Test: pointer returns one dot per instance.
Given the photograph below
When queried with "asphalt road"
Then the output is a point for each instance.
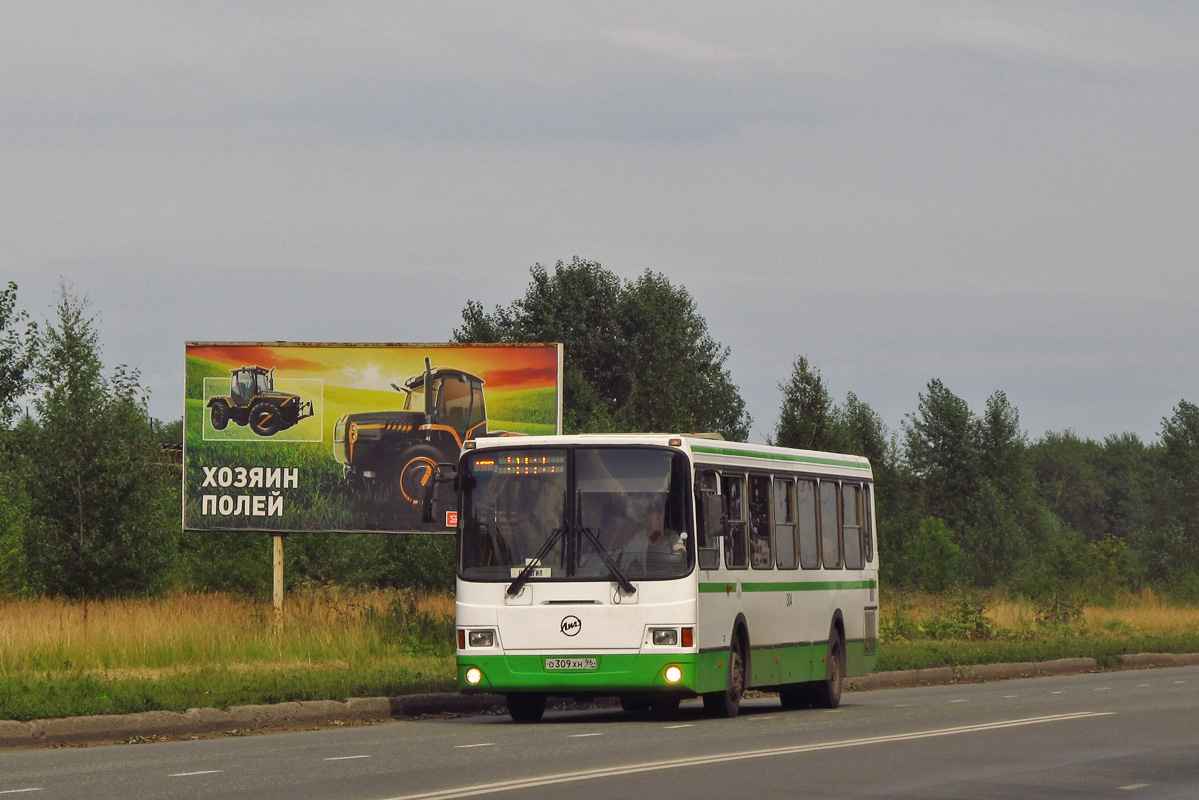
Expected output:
(1132, 734)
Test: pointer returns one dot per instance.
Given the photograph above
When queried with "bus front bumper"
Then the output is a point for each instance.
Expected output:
(613, 673)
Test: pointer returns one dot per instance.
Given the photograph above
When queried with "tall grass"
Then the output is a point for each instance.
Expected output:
(929, 630)
(183, 650)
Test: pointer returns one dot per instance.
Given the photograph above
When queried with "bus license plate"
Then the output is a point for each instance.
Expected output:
(571, 663)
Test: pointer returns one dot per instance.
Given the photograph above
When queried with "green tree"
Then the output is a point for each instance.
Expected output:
(941, 448)
(934, 556)
(638, 355)
(1070, 481)
(808, 418)
(104, 506)
(16, 353)
(1178, 483)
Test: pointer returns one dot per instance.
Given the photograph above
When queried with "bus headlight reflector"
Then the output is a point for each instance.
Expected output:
(673, 674)
(482, 638)
(474, 675)
(667, 637)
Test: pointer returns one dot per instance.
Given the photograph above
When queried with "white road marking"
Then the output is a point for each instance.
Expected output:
(678, 763)
(20, 791)
(1180, 681)
(480, 744)
(345, 758)
(903, 705)
(672, 727)
(1142, 686)
(959, 701)
(582, 735)
(201, 772)
(1132, 786)
(1102, 689)
(1010, 696)
(1057, 692)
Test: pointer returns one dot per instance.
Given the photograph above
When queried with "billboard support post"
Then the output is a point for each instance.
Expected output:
(278, 593)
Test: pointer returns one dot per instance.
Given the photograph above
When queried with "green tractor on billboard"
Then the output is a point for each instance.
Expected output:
(253, 401)
(395, 453)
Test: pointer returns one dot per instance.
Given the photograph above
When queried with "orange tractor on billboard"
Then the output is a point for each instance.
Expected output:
(395, 453)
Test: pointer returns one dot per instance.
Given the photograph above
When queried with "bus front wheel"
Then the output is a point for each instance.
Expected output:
(526, 707)
(726, 704)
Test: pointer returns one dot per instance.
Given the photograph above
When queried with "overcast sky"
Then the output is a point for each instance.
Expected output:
(999, 195)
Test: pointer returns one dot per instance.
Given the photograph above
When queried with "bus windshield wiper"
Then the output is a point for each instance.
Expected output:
(526, 573)
(608, 561)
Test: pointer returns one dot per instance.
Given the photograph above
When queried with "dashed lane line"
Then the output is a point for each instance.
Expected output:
(21, 791)
(199, 772)
(654, 766)
(345, 758)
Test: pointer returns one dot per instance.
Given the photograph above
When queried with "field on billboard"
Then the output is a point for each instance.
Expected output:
(315, 437)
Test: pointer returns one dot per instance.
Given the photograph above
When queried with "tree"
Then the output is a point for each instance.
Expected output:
(16, 353)
(103, 505)
(638, 355)
(807, 419)
(942, 450)
(1178, 483)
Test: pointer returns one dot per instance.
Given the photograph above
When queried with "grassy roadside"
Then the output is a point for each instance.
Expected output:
(61, 659)
(922, 630)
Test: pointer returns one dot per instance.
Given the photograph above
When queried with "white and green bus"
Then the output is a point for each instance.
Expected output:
(656, 568)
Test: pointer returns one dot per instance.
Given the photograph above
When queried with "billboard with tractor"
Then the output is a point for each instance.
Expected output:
(310, 437)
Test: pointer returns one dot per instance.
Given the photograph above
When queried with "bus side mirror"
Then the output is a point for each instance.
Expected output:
(442, 473)
(715, 519)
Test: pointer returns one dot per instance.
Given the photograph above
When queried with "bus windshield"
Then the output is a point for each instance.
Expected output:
(589, 509)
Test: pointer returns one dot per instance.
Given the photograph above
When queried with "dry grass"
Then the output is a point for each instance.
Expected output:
(331, 628)
(1144, 613)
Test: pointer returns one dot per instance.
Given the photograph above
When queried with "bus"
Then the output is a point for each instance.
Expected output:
(656, 568)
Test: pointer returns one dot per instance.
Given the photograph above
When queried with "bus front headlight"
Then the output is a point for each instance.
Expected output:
(474, 675)
(482, 638)
(673, 674)
(665, 637)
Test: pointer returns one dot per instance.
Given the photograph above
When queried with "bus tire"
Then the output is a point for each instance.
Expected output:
(828, 691)
(727, 703)
(526, 706)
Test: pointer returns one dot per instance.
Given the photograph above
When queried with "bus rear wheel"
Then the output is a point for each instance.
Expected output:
(526, 707)
(726, 704)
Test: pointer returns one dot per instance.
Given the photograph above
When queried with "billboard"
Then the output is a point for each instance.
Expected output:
(313, 437)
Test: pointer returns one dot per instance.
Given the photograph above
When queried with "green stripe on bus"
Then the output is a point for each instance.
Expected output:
(805, 586)
(827, 462)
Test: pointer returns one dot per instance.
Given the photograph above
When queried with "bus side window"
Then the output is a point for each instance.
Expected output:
(809, 528)
(710, 519)
(784, 523)
(868, 522)
(760, 550)
(830, 528)
(851, 525)
(735, 551)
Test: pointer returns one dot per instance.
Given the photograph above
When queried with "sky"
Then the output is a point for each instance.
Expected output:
(998, 195)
